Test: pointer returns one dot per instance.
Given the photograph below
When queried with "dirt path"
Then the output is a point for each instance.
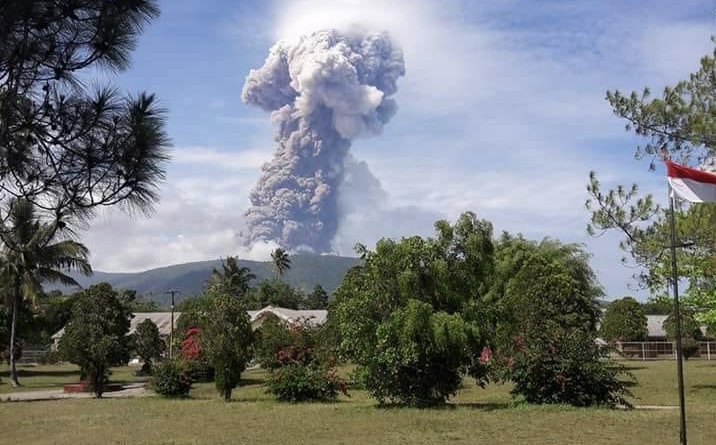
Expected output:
(129, 390)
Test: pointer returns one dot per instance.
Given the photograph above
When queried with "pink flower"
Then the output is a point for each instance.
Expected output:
(485, 355)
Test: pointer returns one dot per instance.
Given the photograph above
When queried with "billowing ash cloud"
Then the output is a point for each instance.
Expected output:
(323, 91)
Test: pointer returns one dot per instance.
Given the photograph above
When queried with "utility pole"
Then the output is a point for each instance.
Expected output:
(172, 292)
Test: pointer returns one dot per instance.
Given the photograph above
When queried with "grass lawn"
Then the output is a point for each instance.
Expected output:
(474, 416)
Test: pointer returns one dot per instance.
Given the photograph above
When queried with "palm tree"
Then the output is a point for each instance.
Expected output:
(231, 279)
(281, 262)
(34, 252)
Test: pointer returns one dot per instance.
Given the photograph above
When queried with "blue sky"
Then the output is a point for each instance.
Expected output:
(502, 112)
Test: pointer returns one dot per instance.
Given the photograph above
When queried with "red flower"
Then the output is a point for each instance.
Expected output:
(485, 355)
(190, 348)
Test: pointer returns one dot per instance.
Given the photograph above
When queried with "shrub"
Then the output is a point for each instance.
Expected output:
(199, 370)
(569, 370)
(170, 379)
(297, 372)
(418, 357)
(298, 382)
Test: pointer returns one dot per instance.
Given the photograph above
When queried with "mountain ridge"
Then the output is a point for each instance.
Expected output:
(307, 270)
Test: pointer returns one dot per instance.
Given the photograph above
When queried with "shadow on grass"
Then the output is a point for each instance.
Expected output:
(702, 387)
(251, 382)
(630, 368)
(480, 406)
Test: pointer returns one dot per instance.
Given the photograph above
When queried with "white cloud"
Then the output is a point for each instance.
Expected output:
(221, 159)
(196, 219)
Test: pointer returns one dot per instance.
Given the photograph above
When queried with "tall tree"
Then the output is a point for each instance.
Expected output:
(63, 146)
(624, 320)
(544, 299)
(274, 293)
(34, 251)
(281, 262)
(681, 124)
(96, 336)
(566, 279)
(148, 344)
(228, 340)
(411, 316)
(317, 299)
(231, 279)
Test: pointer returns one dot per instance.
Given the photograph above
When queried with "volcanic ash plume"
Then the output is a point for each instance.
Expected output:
(323, 91)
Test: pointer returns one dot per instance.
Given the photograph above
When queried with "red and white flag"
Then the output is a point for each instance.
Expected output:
(691, 184)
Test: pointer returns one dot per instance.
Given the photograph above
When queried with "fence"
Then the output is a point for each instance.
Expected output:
(654, 350)
(31, 356)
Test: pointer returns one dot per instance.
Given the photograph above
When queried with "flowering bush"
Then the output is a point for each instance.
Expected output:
(570, 370)
(297, 383)
(194, 361)
(300, 376)
(170, 380)
(275, 336)
(190, 349)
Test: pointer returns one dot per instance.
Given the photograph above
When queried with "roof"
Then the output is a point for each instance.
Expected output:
(163, 319)
(655, 325)
(292, 316)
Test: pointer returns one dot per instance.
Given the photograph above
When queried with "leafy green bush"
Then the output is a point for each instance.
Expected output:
(199, 370)
(170, 379)
(418, 356)
(568, 370)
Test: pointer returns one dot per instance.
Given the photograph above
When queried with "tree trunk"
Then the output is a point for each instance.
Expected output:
(227, 394)
(99, 382)
(13, 330)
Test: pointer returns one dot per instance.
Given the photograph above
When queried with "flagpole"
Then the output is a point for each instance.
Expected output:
(677, 321)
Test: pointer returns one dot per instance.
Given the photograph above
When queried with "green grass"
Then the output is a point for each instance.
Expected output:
(474, 416)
